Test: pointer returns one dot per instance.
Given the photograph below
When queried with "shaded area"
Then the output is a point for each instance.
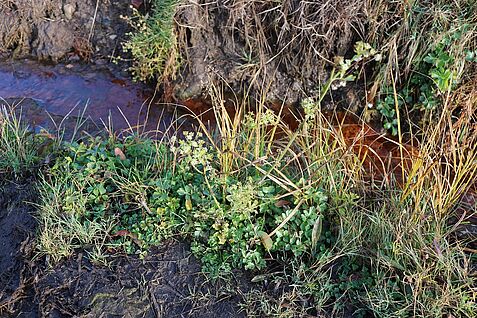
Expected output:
(17, 225)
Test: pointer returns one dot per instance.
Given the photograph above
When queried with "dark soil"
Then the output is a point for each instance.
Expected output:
(167, 283)
(17, 226)
(51, 29)
(219, 42)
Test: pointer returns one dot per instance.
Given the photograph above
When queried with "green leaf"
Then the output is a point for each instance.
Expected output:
(268, 190)
(430, 59)
(469, 56)
(188, 204)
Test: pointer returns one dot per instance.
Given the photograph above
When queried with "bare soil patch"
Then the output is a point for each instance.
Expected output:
(166, 283)
(17, 226)
(51, 29)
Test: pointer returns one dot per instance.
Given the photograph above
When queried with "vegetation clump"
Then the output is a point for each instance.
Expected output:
(21, 149)
(153, 45)
(253, 193)
(298, 208)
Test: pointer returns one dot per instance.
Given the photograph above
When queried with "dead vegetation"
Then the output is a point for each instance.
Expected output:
(388, 249)
(278, 46)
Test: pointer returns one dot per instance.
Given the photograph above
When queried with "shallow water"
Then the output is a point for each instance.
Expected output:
(67, 89)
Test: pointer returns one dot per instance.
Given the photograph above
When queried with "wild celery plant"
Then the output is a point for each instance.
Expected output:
(153, 43)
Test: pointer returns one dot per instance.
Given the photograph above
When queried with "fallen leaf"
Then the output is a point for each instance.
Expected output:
(119, 153)
(282, 203)
(46, 135)
(259, 278)
(136, 3)
(122, 233)
(317, 228)
(188, 205)
(266, 240)
(126, 233)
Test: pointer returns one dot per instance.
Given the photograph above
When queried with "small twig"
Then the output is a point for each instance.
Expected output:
(94, 21)
(157, 309)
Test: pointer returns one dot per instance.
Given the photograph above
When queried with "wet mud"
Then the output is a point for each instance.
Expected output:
(54, 30)
(17, 229)
(166, 283)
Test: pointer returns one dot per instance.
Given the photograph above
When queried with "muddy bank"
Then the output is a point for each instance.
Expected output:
(283, 50)
(17, 226)
(53, 29)
(167, 283)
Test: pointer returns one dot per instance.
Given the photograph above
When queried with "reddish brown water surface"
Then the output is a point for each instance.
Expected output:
(67, 89)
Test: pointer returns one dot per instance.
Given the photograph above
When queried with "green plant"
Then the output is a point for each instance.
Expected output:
(303, 230)
(63, 222)
(153, 45)
(387, 107)
(432, 78)
(434, 65)
(20, 148)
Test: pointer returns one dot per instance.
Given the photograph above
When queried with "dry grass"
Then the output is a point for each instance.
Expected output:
(406, 31)
(260, 38)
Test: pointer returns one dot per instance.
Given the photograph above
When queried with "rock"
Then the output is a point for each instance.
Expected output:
(101, 62)
(74, 58)
(54, 40)
(69, 11)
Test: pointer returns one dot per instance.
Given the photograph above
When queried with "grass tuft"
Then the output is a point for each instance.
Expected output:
(153, 45)
(20, 148)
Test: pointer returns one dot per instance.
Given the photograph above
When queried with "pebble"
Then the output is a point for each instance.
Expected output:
(69, 10)
(101, 62)
(74, 58)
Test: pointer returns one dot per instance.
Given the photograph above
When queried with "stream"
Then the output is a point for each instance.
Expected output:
(47, 93)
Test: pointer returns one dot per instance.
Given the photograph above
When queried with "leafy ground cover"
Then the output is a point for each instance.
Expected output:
(300, 209)
(253, 194)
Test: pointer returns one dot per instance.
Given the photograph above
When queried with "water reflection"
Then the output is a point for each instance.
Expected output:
(66, 89)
